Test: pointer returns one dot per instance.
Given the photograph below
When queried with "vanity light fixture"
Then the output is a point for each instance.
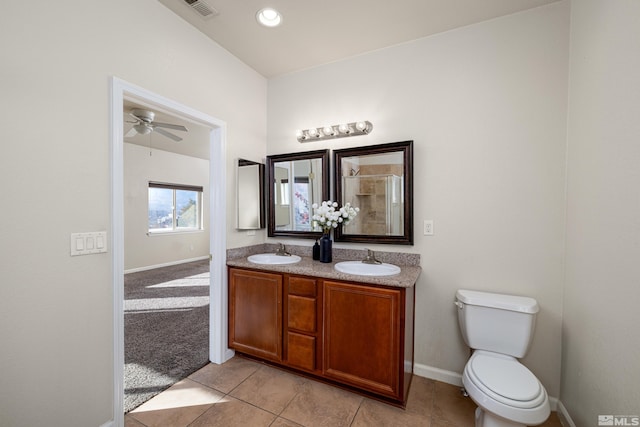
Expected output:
(269, 17)
(335, 131)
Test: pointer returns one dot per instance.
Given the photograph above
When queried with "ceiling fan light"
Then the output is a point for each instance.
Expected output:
(142, 128)
(269, 17)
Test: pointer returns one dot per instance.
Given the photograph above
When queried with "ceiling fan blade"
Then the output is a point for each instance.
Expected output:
(167, 134)
(132, 132)
(170, 126)
(138, 119)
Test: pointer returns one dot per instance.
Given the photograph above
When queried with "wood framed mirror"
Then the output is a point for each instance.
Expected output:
(250, 203)
(295, 182)
(378, 179)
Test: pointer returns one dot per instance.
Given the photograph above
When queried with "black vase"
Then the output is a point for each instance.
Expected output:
(325, 248)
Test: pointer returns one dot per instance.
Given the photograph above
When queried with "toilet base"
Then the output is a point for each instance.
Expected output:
(487, 419)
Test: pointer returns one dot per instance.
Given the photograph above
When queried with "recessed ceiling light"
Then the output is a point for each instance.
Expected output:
(269, 17)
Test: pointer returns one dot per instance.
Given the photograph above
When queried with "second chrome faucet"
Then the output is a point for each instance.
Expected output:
(281, 251)
(371, 258)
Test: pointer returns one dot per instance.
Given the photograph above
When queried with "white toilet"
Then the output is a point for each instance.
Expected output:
(499, 328)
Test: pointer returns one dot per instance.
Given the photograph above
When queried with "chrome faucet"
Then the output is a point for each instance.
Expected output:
(281, 251)
(371, 258)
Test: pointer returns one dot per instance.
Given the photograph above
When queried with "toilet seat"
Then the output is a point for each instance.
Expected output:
(506, 380)
(507, 388)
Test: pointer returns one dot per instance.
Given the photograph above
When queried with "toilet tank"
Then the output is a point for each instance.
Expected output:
(495, 322)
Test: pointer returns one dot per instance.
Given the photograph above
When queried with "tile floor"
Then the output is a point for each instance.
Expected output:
(246, 393)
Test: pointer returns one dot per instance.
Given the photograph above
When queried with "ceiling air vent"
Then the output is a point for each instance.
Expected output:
(202, 8)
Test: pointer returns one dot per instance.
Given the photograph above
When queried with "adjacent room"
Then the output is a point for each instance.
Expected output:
(166, 247)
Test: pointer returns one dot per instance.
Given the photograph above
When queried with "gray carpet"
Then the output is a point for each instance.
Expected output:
(166, 328)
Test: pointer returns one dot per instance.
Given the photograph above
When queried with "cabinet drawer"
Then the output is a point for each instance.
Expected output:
(301, 351)
(302, 313)
(302, 286)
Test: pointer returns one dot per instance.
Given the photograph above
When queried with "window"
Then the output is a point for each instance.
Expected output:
(174, 207)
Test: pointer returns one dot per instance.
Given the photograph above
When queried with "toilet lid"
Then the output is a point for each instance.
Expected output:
(506, 377)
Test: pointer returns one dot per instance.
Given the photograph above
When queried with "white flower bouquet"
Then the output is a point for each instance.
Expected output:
(328, 216)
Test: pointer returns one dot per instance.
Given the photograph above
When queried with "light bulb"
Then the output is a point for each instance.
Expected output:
(361, 126)
(313, 132)
(328, 130)
(343, 128)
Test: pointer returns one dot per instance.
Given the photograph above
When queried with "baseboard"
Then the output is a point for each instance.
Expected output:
(455, 378)
(108, 424)
(564, 416)
(166, 264)
(437, 374)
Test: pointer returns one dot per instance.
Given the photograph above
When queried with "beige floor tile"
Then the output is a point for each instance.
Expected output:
(129, 421)
(227, 376)
(177, 406)
(374, 413)
(450, 406)
(421, 396)
(269, 388)
(322, 405)
(261, 395)
(283, 422)
(553, 421)
(231, 412)
(444, 423)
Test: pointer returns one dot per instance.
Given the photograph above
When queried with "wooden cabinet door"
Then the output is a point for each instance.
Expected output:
(255, 313)
(362, 337)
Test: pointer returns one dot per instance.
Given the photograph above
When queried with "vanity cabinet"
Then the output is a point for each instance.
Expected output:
(255, 313)
(363, 337)
(349, 333)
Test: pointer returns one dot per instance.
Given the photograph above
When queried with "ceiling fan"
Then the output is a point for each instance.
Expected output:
(144, 125)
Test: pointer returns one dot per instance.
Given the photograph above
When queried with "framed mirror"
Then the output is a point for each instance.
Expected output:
(295, 182)
(378, 179)
(250, 195)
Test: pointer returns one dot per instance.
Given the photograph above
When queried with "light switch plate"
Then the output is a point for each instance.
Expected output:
(88, 243)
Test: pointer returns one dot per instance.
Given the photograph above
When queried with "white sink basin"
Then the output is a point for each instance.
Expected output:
(273, 259)
(362, 269)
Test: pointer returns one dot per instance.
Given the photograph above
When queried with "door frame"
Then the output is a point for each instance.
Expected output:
(218, 317)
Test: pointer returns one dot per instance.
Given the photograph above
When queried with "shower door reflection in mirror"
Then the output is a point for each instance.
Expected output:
(296, 182)
(377, 179)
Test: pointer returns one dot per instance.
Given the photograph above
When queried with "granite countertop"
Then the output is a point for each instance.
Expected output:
(409, 270)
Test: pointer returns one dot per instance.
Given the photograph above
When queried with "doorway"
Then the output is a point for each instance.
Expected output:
(218, 350)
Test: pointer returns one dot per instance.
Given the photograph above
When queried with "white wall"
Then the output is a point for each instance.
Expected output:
(486, 108)
(143, 250)
(56, 312)
(601, 343)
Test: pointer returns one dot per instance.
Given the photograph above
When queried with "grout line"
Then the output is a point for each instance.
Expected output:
(289, 403)
(356, 414)
(205, 411)
(277, 415)
(242, 382)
